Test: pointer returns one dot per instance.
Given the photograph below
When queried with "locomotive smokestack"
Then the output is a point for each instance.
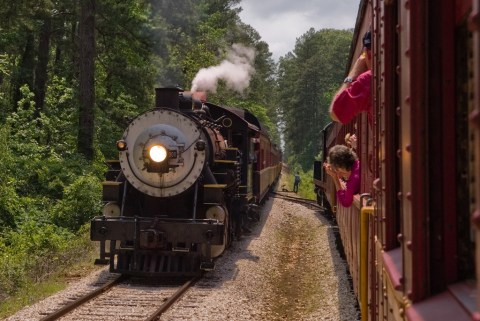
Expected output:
(167, 97)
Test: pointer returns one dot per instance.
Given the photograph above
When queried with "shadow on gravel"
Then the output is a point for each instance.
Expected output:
(238, 249)
(336, 244)
(228, 270)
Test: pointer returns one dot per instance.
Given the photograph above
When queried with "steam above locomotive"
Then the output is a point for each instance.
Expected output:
(187, 177)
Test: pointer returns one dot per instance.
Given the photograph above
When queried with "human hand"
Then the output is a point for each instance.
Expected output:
(329, 170)
(359, 67)
(351, 140)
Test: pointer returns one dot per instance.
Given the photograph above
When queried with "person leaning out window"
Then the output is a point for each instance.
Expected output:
(344, 168)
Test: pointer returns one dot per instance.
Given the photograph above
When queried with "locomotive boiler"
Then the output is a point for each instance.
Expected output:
(179, 191)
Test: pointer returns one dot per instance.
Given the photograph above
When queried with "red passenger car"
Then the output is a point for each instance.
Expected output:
(410, 239)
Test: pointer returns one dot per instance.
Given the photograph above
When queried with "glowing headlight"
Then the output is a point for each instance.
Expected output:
(158, 153)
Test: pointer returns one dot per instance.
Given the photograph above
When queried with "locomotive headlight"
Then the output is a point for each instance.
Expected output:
(158, 153)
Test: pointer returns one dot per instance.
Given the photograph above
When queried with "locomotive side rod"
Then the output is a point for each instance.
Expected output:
(82, 300)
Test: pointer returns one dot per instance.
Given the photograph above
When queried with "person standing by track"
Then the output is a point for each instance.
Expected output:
(296, 182)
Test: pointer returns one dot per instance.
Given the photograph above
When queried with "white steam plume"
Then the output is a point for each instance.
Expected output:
(236, 70)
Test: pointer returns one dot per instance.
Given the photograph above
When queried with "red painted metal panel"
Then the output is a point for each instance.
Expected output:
(414, 186)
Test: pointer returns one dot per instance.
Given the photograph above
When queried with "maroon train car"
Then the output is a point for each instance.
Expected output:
(411, 238)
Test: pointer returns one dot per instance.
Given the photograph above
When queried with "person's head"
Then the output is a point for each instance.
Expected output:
(342, 159)
(367, 47)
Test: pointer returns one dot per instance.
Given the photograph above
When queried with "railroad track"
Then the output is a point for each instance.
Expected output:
(304, 201)
(124, 297)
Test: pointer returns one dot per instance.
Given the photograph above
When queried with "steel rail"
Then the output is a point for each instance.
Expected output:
(82, 300)
(175, 297)
(298, 200)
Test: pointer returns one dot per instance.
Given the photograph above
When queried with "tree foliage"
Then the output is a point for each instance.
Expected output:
(308, 78)
(72, 73)
(68, 88)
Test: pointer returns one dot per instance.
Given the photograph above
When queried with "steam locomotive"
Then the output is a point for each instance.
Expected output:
(188, 177)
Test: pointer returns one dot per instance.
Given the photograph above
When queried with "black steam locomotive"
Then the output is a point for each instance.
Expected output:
(189, 175)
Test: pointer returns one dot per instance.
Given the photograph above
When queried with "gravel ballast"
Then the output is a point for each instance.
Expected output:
(287, 268)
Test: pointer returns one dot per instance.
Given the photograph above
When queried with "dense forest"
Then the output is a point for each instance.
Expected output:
(73, 72)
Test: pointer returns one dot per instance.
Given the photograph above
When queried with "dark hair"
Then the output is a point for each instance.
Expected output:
(367, 40)
(340, 156)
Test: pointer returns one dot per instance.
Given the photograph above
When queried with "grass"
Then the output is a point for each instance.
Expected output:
(35, 292)
(306, 187)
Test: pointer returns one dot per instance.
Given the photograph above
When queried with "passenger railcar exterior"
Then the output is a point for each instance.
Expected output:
(189, 176)
(410, 238)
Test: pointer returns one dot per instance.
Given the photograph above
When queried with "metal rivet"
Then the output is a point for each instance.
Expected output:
(409, 245)
(474, 118)
(400, 237)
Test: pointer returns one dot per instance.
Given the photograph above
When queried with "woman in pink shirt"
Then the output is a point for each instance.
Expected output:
(344, 168)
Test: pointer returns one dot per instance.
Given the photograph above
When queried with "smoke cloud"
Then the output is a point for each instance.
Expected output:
(236, 70)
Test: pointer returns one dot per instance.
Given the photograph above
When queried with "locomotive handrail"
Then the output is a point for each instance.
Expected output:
(365, 211)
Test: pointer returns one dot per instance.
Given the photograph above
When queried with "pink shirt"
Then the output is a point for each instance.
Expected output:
(345, 196)
(354, 99)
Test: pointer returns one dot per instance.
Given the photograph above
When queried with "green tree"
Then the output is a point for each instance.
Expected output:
(72, 73)
(308, 76)
(86, 46)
